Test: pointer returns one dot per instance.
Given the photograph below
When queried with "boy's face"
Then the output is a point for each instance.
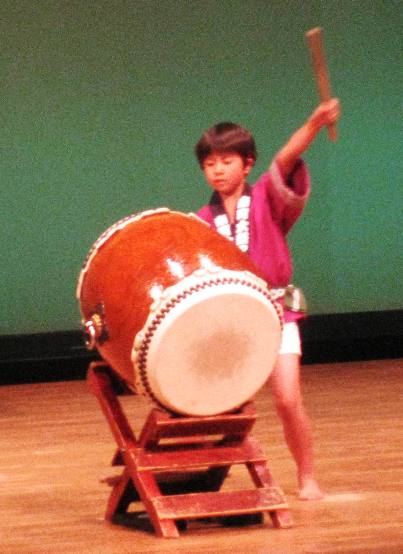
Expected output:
(226, 172)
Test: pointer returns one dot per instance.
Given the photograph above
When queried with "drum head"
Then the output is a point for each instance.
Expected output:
(213, 350)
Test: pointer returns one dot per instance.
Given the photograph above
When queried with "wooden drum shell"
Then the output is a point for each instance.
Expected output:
(134, 260)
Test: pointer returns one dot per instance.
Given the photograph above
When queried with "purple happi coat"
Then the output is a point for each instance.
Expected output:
(276, 204)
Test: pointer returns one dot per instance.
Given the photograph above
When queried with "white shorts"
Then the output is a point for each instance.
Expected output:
(290, 340)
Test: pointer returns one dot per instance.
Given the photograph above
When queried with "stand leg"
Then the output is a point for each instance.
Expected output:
(148, 490)
(281, 517)
(123, 493)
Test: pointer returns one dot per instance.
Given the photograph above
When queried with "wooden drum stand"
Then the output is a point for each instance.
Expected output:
(178, 464)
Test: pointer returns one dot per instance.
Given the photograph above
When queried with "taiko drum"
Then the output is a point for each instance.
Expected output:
(179, 313)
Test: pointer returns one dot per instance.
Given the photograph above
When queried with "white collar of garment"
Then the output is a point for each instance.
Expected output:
(239, 232)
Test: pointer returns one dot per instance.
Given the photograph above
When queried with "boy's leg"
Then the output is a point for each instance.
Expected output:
(285, 382)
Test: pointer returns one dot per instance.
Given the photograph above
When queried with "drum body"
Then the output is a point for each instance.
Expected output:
(179, 313)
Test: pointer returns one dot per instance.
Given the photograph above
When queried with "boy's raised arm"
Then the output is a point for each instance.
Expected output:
(325, 114)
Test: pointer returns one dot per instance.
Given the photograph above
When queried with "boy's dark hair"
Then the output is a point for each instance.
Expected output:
(226, 137)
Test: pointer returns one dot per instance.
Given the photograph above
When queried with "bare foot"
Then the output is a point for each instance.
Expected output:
(310, 490)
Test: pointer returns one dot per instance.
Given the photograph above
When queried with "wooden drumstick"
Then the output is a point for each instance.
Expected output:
(315, 44)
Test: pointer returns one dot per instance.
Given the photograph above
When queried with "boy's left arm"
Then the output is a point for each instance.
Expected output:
(325, 114)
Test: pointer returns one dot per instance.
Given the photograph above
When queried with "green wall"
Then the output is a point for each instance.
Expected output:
(102, 102)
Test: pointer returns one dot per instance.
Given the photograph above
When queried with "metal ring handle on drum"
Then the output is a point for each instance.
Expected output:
(90, 334)
(94, 329)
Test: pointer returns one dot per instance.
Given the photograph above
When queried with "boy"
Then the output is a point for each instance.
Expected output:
(258, 219)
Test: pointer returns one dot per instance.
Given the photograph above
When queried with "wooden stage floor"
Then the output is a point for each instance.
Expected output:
(55, 447)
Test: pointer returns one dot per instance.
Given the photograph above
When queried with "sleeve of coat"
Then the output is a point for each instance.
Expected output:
(286, 197)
